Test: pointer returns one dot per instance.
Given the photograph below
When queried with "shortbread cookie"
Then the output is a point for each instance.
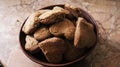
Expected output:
(42, 33)
(53, 16)
(53, 49)
(32, 22)
(73, 11)
(84, 34)
(64, 28)
(31, 44)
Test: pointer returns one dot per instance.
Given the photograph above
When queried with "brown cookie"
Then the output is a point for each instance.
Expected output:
(32, 22)
(53, 16)
(72, 52)
(31, 44)
(73, 11)
(53, 49)
(64, 28)
(84, 34)
(42, 33)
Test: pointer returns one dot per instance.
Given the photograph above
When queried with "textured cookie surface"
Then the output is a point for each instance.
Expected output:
(42, 33)
(31, 44)
(32, 22)
(74, 12)
(53, 49)
(64, 28)
(53, 16)
(84, 34)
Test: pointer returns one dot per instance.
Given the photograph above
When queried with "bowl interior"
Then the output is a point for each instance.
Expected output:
(39, 57)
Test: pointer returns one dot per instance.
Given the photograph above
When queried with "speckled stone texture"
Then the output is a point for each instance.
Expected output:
(105, 12)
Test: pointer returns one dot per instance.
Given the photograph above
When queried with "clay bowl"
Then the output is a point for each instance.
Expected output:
(40, 59)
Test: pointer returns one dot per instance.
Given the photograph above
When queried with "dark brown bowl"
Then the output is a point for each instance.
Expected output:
(39, 58)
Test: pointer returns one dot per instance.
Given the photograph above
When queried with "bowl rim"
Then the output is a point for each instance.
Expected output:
(62, 64)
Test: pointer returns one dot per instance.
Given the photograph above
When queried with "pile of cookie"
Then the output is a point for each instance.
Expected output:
(60, 33)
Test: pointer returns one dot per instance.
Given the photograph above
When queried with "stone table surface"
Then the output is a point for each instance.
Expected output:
(105, 12)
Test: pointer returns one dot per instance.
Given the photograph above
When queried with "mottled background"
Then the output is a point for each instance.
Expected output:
(105, 12)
